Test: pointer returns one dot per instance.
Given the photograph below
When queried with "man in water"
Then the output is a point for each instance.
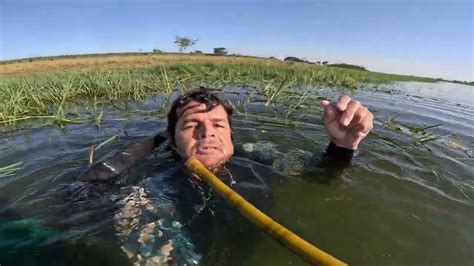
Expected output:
(200, 124)
(154, 229)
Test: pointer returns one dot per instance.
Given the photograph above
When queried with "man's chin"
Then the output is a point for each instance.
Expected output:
(210, 162)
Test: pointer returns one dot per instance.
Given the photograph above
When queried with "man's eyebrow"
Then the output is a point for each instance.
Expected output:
(218, 119)
(189, 120)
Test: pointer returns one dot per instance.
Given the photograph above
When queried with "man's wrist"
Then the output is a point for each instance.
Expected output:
(344, 145)
(340, 152)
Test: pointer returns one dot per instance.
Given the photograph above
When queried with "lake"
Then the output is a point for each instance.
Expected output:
(406, 199)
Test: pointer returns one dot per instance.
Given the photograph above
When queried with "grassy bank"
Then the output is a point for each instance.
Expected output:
(114, 60)
(93, 81)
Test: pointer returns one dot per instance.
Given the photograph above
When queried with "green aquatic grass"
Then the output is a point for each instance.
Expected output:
(10, 169)
(419, 133)
(92, 149)
(75, 96)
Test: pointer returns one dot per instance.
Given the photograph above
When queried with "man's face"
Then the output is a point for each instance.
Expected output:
(206, 135)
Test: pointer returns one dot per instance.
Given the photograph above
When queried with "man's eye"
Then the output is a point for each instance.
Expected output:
(218, 125)
(189, 126)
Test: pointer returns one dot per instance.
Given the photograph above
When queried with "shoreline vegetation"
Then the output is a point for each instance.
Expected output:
(52, 88)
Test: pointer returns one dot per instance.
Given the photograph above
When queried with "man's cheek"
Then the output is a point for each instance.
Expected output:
(190, 148)
(182, 148)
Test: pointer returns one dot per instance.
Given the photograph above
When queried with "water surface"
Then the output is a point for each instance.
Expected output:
(399, 203)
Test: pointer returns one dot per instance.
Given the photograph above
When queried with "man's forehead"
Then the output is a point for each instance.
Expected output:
(195, 108)
(191, 107)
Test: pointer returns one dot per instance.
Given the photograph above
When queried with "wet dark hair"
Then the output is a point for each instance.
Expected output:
(202, 95)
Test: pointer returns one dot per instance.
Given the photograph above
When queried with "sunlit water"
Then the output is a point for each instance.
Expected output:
(399, 203)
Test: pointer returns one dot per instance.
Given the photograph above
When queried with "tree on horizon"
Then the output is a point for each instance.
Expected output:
(220, 51)
(184, 42)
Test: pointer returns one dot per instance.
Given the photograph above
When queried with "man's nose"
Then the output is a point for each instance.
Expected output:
(206, 130)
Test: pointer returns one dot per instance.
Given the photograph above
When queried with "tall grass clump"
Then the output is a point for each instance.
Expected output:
(54, 95)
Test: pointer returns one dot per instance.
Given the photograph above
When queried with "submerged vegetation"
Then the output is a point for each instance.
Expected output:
(10, 169)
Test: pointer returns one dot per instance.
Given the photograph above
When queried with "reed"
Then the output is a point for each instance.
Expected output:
(10, 169)
(66, 96)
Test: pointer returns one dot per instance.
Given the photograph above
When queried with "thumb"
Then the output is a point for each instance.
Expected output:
(325, 104)
(330, 111)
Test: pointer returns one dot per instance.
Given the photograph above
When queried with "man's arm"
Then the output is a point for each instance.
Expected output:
(122, 161)
(347, 122)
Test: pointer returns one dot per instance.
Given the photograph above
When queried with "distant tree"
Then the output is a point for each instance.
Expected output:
(157, 51)
(184, 42)
(293, 59)
(220, 51)
(197, 52)
(344, 65)
(325, 63)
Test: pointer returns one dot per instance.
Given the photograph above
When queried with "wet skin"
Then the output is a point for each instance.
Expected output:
(347, 121)
(206, 135)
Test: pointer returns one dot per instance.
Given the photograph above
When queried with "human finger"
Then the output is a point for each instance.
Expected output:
(348, 115)
(330, 111)
(359, 116)
(355, 136)
(342, 102)
(364, 126)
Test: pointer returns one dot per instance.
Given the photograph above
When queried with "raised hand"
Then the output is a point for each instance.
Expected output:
(347, 121)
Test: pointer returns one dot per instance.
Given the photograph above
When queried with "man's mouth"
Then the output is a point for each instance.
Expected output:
(206, 149)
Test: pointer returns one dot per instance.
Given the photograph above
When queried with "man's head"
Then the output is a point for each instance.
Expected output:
(199, 124)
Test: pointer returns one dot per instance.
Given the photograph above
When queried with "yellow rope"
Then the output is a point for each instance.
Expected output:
(303, 248)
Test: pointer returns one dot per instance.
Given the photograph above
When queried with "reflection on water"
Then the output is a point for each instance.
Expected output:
(398, 204)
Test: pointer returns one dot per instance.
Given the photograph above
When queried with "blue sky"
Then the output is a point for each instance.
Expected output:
(428, 38)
